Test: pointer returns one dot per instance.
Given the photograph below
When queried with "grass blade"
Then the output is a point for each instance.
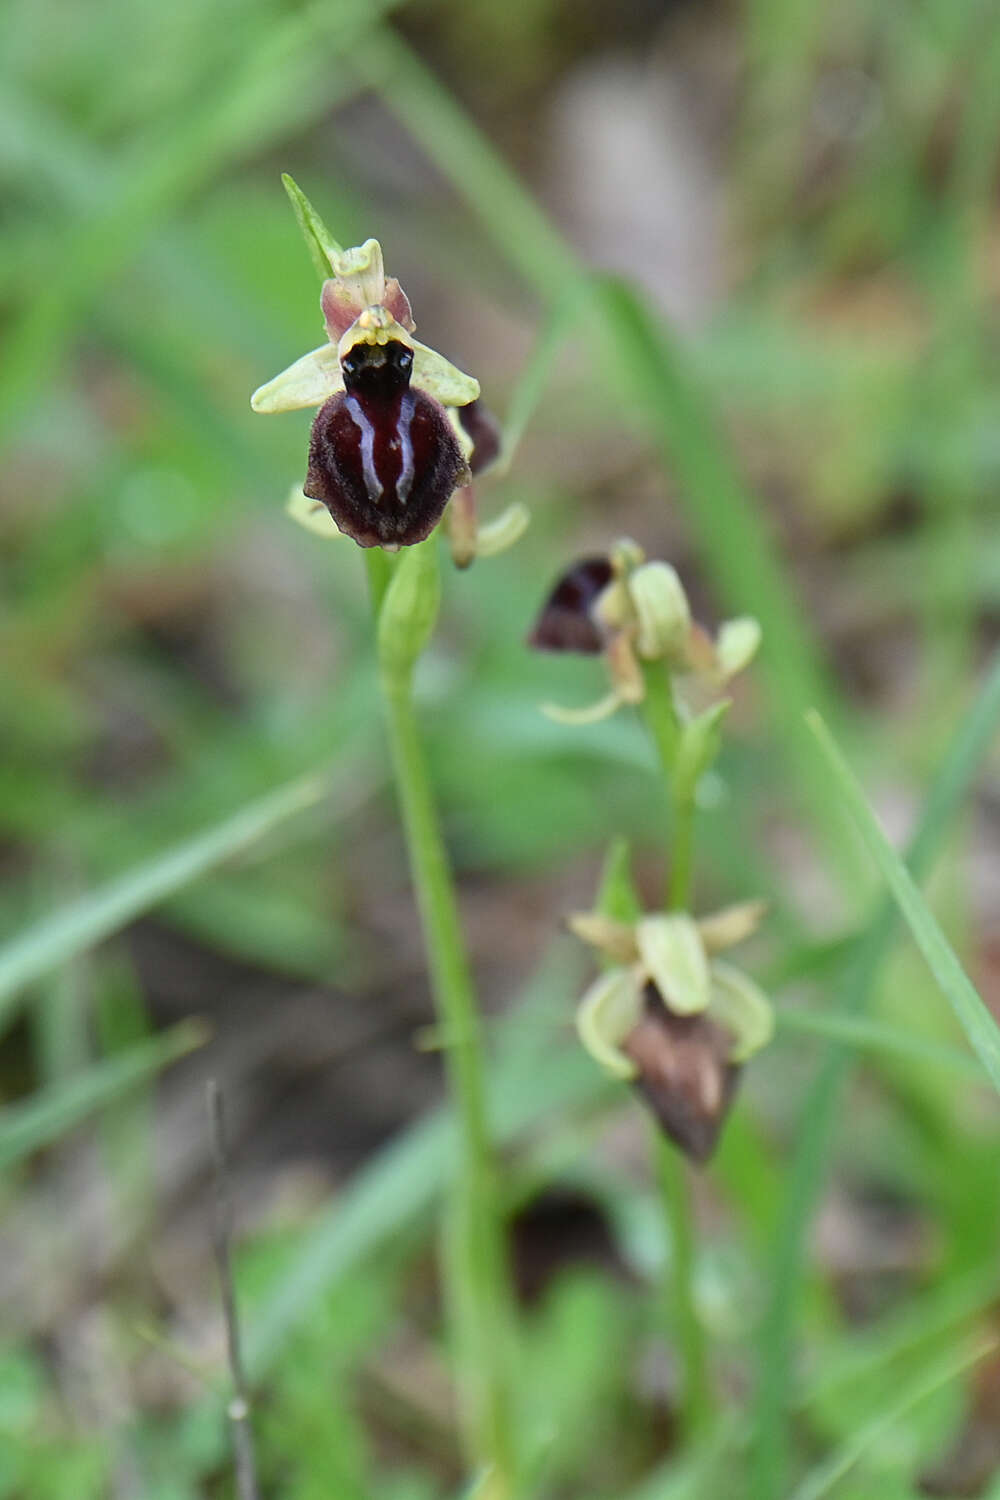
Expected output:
(970, 1010)
(806, 1173)
(944, 1370)
(876, 1036)
(49, 1114)
(56, 939)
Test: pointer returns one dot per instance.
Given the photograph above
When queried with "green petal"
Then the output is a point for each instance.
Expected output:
(311, 514)
(440, 378)
(742, 1008)
(673, 955)
(309, 382)
(609, 1010)
(594, 713)
(737, 645)
(504, 530)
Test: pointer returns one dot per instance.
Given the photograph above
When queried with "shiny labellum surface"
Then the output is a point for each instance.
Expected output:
(684, 1073)
(383, 458)
(567, 622)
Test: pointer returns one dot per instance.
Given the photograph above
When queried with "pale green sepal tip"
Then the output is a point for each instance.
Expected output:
(409, 610)
(320, 242)
(742, 1007)
(312, 515)
(503, 531)
(673, 955)
(440, 378)
(609, 1010)
(737, 644)
(310, 381)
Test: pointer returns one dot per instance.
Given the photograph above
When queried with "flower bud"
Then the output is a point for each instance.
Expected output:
(662, 612)
(409, 612)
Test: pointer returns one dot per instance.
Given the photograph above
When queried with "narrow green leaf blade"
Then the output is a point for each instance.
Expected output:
(973, 1016)
(74, 928)
(319, 241)
(49, 1114)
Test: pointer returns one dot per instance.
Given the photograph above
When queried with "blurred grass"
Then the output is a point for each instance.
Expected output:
(172, 649)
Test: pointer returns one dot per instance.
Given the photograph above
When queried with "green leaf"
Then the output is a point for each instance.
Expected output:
(52, 1112)
(940, 1373)
(89, 920)
(699, 744)
(820, 1111)
(616, 893)
(319, 241)
(973, 1016)
(876, 1036)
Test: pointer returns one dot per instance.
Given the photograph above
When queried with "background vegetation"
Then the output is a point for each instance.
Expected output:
(783, 376)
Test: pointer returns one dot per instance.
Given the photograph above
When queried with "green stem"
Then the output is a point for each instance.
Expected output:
(696, 1394)
(665, 726)
(480, 1289)
(379, 570)
(661, 716)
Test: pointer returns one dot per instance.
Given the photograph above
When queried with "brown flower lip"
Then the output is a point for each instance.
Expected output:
(684, 1074)
(566, 621)
(383, 458)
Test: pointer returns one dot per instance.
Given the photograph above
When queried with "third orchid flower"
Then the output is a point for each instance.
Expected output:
(673, 1018)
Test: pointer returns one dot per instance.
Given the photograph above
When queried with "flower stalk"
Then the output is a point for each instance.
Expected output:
(398, 433)
(480, 1294)
(665, 1014)
(663, 722)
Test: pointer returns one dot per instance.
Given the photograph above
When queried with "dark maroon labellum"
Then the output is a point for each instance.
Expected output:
(684, 1073)
(383, 458)
(483, 428)
(567, 622)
